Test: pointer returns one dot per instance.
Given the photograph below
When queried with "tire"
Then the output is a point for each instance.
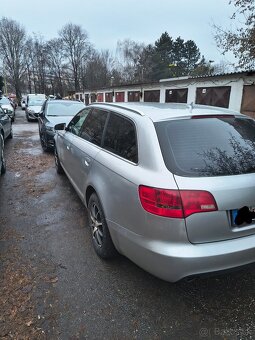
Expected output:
(58, 166)
(101, 237)
(3, 167)
(44, 143)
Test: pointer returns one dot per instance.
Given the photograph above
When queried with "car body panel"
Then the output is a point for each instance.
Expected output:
(6, 123)
(230, 192)
(1, 149)
(6, 104)
(170, 248)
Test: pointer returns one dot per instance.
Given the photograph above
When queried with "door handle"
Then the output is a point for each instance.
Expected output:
(87, 161)
(68, 147)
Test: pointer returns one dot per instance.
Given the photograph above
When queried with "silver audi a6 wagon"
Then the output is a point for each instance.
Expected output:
(170, 186)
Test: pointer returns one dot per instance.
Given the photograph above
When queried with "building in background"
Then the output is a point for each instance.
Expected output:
(235, 91)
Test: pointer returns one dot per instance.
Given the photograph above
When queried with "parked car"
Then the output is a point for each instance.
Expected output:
(6, 105)
(5, 132)
(23, 104)
(33, 107)
(53, 112)
(164, 184)
(6, 124)
(2, 159)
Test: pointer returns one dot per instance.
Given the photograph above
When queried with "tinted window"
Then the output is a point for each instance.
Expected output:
(76, 123)
(120, 138)
(93, 126)
(208, 146)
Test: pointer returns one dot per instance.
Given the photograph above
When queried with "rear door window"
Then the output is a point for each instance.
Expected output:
(120, 138)
(93, 127)
(208, 146)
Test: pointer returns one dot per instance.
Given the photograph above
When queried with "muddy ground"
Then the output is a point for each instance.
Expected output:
(53, 286)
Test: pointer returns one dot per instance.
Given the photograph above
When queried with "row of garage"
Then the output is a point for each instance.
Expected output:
(235, 91)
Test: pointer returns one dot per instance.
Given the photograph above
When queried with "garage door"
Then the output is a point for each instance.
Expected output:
(133, 96)
(248, 101)
(152, 96)
(213, 96)
(176, 95)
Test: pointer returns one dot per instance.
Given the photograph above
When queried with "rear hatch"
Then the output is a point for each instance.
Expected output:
(214, 154)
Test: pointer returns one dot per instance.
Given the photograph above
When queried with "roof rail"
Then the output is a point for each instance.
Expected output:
(120, 107)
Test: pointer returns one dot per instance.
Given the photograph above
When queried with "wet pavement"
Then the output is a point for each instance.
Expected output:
(53, 286)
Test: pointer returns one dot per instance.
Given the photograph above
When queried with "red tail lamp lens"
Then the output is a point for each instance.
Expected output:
(176, 203)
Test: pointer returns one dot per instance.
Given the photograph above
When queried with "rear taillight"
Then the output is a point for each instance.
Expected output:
(176, 203)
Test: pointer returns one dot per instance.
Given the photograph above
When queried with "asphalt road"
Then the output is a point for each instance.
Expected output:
(53, 285)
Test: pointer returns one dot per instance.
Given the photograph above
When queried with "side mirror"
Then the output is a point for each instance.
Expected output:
(60, 126)
(7, 112)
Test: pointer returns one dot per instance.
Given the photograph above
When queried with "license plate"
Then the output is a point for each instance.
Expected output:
(233, 216)
(235, 212)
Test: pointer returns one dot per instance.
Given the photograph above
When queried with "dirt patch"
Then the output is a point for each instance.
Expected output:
(21, 285)
(27, 166)
(26, 300)
(18, 317)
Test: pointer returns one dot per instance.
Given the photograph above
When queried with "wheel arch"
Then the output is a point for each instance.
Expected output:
(89, 191)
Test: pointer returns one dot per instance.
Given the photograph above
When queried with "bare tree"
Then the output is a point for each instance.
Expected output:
(128, 54)
(30, 70)
(40, 60)
(56, 65)
(76, 49)
(241, 40)
(12, 44)
(36, 68)
(98, 70)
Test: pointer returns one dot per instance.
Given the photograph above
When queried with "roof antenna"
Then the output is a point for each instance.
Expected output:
(191, 106)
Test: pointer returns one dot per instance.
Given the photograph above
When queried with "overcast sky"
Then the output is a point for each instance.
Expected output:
(107, 21)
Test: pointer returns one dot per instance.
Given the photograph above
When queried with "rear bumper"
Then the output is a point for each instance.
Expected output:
(174, 261)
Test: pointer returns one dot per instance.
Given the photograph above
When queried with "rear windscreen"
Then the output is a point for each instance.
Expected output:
(208, 146)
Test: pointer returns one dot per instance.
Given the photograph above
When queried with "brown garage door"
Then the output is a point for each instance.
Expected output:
(213, 96)
(176, 95)
(120, 96)
(248, 101)
(93, 97)
(109, 97)
(152, 96)
(133, 96)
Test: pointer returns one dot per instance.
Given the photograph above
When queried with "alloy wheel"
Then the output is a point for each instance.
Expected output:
(96, 224)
